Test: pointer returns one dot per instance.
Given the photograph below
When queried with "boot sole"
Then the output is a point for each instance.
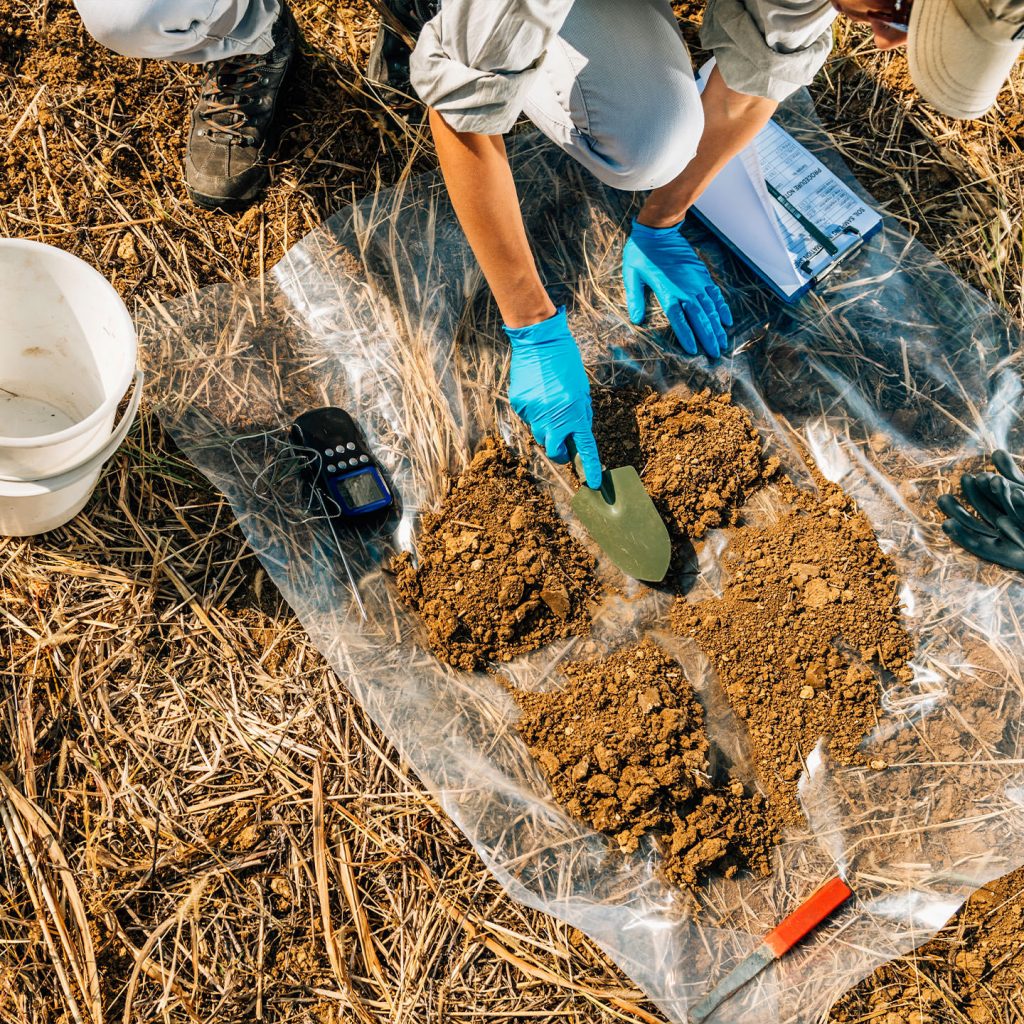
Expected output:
(229, 204)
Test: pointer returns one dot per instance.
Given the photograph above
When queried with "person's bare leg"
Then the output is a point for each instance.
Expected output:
(483, 192)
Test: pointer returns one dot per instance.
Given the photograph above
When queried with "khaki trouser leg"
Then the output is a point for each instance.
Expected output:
(193, 31)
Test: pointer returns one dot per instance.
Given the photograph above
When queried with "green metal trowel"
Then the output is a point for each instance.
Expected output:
(623, 521)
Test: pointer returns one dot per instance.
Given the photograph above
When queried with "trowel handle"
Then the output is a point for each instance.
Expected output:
(818, 906)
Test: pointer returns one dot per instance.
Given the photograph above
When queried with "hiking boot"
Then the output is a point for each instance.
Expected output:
(235, 124)
(392, 47)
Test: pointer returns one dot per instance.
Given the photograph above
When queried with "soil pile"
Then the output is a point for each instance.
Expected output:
(623, 743)
(702, 458)
(809, 615)
(498, 572)
(625, 750)
(698, 454)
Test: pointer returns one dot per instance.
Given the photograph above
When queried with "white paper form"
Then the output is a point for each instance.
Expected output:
(740, 207)
(805, 182)
(751, 160)
(738, 204)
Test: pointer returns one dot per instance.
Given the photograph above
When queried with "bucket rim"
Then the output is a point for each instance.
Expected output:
(94, 464)
(127, 370)
(30, 489)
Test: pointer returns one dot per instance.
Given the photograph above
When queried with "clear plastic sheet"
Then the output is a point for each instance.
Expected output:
(891, 375)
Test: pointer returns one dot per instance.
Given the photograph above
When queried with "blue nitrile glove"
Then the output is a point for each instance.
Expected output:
(662, 260)
(549, 391)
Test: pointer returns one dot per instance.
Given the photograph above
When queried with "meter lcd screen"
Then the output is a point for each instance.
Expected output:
(359, 489)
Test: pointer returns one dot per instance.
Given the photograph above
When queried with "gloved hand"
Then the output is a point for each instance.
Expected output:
(549, 391)
(996, 531)
(662, 260)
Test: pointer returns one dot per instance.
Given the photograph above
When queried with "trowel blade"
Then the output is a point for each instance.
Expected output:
(625, 524)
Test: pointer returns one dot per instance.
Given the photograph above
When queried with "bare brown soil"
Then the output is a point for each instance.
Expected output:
(624, 748)
(808, 617)
(497, 572)
(971, 973)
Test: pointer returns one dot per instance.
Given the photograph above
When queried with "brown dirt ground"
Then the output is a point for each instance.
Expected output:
(624, 748)
(93, 155)
(175, 633)
(971, 974)
(808, 615)
(497, 572)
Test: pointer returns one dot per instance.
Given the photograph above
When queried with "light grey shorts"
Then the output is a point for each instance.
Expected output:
(193, 31)
(617, 90)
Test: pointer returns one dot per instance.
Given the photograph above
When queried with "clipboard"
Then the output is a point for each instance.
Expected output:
(783, 213)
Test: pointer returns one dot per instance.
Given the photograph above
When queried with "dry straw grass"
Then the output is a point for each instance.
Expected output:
(198, 822)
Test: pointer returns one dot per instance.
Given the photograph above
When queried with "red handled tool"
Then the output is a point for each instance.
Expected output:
(825, 900)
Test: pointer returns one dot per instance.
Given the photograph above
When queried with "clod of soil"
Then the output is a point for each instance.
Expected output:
(730, 830)
(624, 748)
(809, 616)
(698, 454)
(498, 573)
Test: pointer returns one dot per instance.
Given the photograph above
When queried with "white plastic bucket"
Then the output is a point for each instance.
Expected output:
(67, 356)
(28, 507)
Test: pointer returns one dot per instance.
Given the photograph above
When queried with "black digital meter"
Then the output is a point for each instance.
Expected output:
(344, 469)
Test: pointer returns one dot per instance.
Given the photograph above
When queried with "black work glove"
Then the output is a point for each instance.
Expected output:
(995, 532)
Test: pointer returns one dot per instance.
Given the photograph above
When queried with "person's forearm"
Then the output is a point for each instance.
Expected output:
(483, 192)
(731, 120)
